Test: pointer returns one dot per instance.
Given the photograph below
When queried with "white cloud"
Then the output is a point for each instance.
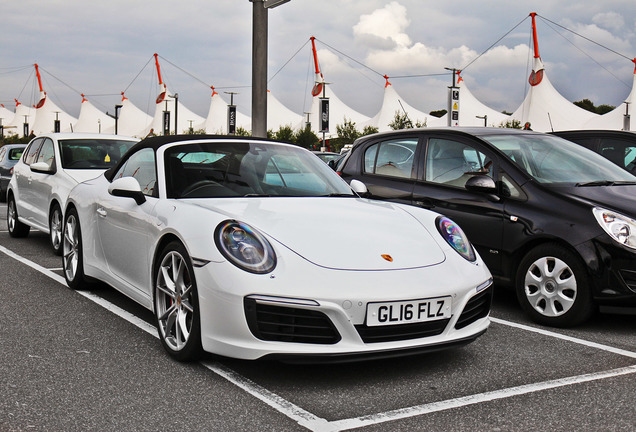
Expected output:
(384, 28)
(609, 20)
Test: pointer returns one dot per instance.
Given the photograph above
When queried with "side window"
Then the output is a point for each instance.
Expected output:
(622, 153)
(452, 162)
(393, 158)
(509, 188)
(32, 151)
(3, 153)
(47, 154)
(142, 167)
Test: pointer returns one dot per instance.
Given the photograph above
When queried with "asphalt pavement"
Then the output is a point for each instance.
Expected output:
(78, 361)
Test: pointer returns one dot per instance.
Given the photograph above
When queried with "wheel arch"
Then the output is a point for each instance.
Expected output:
(520, 253)
(161, 244)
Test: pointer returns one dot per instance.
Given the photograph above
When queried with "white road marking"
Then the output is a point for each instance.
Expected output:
(318, 424)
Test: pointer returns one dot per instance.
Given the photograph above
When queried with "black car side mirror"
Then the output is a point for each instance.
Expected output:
(483, 184)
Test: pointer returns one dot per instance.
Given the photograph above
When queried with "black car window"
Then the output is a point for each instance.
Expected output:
(452, 163)
(47, 153)
(141, 166)
(621, 152)
(391, 158)
(32, 151)
(15, 153)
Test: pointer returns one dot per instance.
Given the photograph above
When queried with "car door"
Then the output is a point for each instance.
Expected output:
(447, 162)
(23, 177)
(42, 185)
(125, 227)
(388, 167)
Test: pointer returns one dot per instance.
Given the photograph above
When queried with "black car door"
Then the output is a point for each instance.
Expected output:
(446, 163)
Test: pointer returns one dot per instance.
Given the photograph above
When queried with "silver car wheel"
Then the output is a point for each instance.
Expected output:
(173, 297)
(550, 286)
(11, 215)
(56, 228)
(70, 254)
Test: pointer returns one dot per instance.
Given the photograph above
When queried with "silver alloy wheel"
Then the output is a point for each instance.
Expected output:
(56, 228)
(70, 252)
(550, 286)
(11, 215)
(173, 298)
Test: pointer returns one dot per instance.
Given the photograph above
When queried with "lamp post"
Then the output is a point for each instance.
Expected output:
(116, 116)
(484, 118)
(259, 64)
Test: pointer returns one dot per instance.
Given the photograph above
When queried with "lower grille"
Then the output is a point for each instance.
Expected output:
(477, 307)
(400, 332)
(289, 324)
(629, 276)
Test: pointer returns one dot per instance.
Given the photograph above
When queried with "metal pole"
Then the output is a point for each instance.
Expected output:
(259, 69)
(176, 104)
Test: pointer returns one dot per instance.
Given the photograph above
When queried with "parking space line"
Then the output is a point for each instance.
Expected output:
(476, 399)
(590, 344)
(314, 423)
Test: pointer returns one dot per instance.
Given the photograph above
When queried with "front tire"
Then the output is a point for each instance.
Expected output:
(552, 287)
(176, 303)
(55, 229)
(16, 228)
(72, 259)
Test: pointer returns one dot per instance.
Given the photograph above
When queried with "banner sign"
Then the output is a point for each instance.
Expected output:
(166, 122)
(453, 106)
(231, 119)
(324, 114)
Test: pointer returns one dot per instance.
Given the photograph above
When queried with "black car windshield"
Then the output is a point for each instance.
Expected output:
(552, 160)
(89, 153)
(247, 169)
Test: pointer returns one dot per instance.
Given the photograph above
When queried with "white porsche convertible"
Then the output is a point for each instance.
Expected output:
(250, 248)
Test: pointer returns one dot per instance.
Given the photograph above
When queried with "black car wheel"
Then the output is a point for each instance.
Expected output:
(55, 229)
(72, 259)
(16, 228)
(176, 303)
(552, 286)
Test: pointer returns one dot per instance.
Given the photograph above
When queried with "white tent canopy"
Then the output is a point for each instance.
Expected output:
(338, 112)
(132, 121)
(93, 120)
(46, 115)
(185, 117)
(546, 109)
(216, 121)
(470, 108)
(23, 114)
(278, 115)
(392, 103)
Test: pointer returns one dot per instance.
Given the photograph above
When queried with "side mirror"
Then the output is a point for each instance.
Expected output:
(358, 187)
(127, 187)
(42, 167)
(481, 183)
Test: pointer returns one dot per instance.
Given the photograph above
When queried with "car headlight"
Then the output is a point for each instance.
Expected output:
(620, 227)
(455, 237)
(245, 247)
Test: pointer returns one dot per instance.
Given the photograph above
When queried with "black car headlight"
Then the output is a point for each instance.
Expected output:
(620, 227)
(455, 237)
(245, 247)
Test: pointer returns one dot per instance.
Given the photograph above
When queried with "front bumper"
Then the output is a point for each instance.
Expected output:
(340, 298)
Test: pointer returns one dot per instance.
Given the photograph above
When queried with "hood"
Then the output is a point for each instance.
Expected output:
(619, 198)
(83, 174)
(338, 233)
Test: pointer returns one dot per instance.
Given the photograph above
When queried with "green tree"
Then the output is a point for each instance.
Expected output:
(511, 124)
(368, 130)
(401, 121)
(285, 134)
(306, 138)
(587, 104)
(242, 132)
(347, 131)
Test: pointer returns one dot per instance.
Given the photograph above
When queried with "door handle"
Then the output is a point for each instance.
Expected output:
(425, 203)
(101, 212)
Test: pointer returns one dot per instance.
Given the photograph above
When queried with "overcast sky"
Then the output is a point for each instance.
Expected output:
(101, 48)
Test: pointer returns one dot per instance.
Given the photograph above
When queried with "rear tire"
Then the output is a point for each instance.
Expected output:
(56, 226)
(16, 228)
(552, 287)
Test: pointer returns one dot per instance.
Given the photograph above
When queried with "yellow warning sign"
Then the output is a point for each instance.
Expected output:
(455, 106)
(107, 158)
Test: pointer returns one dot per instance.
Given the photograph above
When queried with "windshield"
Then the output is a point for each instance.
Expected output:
(89, 153)
(552, 160)
(247, 169)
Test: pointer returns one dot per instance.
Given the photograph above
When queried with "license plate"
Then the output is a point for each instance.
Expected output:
(407, 312)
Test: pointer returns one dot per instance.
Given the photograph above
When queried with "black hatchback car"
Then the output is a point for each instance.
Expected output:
(549, 217)
(9, 156)
(617, 146)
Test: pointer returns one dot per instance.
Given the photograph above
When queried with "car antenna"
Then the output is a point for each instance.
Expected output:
(550, 119)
